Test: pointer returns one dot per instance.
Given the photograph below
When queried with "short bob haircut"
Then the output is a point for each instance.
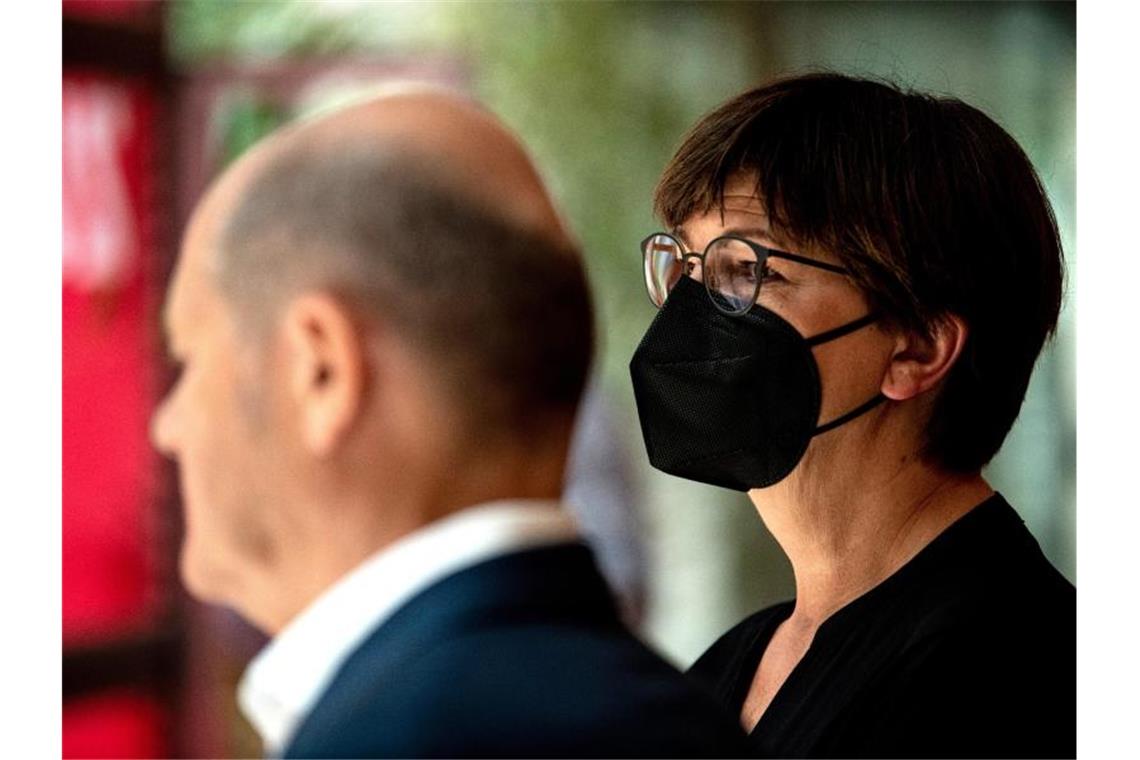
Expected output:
(930, 204)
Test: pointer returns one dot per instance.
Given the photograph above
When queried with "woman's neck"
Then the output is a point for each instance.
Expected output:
(845, 537)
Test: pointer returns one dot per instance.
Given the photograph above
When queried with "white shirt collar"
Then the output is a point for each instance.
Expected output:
(285, 680)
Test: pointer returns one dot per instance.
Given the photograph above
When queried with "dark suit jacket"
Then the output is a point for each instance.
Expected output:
(520, 655)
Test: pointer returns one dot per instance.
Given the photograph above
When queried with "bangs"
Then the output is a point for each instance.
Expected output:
(810, 150)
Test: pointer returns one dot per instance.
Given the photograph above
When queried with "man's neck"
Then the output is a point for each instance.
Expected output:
(347, 525)
(845, 538)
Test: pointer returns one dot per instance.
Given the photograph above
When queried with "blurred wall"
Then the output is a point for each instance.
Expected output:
(602, 93)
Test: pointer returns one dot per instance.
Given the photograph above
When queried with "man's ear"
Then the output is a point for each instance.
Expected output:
(918, 363)
(326, 366)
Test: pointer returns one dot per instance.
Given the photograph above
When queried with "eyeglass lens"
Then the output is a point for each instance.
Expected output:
(730, 271)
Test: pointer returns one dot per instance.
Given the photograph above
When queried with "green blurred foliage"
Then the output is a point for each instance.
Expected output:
(246, 121)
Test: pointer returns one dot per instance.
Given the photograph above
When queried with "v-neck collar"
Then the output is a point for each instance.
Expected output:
(987, 511)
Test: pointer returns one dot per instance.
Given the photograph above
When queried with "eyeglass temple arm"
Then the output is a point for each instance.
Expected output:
(774, 254)
(805, 260)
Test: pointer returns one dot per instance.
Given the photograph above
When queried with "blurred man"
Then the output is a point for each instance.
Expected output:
(383, 332)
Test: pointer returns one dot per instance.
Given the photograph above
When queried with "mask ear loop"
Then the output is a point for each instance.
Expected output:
(867, 406)
(839, 332)
(842, 330)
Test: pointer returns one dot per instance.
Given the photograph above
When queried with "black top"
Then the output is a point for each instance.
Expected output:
(522, 655)
(968, 650)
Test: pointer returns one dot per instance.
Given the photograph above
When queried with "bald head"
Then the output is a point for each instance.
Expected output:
(461, 145)
(418, 209)
(445, 138)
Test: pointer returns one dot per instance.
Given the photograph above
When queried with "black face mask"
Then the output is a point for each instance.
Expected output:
(729, 401)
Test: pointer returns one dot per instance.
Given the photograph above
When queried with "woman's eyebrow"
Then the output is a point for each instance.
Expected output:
(745, 232)
(750, 232)
(679, 233)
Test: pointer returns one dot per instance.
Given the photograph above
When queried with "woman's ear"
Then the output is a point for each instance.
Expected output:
(326, 367)
(919, 363)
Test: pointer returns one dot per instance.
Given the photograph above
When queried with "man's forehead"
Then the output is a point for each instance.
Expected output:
(199, 255)
(192, 276)
(177, 297)
(192, 295)
(171, 309)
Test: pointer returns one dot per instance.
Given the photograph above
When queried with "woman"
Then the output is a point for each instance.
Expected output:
(854, 284)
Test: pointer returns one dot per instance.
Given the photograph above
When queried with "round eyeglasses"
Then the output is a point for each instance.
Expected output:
(731, 267)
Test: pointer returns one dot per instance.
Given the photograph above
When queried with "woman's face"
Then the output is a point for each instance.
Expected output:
(813, 300)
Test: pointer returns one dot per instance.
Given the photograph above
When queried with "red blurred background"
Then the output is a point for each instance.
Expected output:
(119, 654)
(147, 672)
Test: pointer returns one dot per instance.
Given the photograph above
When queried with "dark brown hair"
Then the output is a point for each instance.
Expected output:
(930, 204)
(503, 313)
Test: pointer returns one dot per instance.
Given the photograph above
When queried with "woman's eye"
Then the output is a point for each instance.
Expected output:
(768, 274)
(744, 271)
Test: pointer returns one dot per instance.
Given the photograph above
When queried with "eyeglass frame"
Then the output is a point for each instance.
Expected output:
(762, 253)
